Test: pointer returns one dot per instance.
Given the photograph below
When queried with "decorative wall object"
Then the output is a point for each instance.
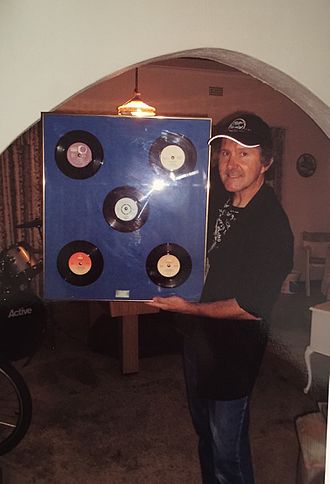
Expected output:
(306, 165)
(21, 193)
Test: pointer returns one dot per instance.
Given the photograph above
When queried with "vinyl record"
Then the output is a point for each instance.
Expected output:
(168, 265)
(173, 153)
(79, 154)
(80, 263)
(126, 209)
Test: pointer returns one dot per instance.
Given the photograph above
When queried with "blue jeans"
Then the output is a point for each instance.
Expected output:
(223, 431)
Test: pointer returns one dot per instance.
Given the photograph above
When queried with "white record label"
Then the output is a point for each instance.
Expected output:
(168, 265)
(126, 209)
(172, 157)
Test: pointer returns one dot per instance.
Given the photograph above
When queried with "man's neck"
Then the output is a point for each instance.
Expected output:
(242, 199)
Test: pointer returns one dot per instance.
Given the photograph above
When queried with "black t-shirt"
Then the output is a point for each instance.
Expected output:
(249, 263)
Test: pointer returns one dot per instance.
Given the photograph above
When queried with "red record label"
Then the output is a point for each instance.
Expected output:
(80, 263)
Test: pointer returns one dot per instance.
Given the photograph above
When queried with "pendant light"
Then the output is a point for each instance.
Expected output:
(135, 106)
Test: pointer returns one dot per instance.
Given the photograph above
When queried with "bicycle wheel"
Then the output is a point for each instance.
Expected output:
(15, 407)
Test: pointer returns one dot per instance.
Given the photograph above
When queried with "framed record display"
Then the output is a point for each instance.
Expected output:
(125, 206)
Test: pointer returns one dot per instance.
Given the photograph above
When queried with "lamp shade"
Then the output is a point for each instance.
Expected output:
(135, 106)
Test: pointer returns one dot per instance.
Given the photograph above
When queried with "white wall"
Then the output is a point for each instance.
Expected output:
(51, 49)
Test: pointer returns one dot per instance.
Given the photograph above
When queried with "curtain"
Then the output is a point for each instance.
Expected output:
(21, 186)
(273, 176)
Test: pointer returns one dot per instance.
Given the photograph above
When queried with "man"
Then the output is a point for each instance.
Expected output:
(250, 254)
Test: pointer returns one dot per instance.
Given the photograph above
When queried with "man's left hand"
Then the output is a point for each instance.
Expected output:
(172, 303)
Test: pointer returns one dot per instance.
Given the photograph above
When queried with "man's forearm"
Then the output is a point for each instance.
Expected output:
(226, 309)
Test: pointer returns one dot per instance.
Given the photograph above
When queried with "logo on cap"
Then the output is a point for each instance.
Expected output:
(239, 124)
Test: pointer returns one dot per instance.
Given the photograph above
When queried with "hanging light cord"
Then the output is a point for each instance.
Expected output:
(137, 80)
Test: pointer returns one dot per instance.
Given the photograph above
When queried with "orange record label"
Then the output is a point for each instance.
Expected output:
(80, 263)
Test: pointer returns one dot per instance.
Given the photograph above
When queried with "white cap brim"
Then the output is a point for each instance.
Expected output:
(233, 139)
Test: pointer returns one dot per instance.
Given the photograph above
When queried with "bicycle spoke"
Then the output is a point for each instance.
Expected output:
(15, 407)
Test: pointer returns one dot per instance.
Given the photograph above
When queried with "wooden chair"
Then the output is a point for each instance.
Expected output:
(316, 245)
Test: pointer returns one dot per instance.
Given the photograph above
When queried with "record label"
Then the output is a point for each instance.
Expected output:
(126, 209)
(79, 154)
(168, 265)
(172, 153)
(80, 263)
(172, 157)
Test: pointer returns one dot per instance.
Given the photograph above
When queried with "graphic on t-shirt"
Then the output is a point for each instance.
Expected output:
(226, 218)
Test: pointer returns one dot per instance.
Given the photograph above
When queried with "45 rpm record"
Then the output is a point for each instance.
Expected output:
(168, 265)
(80, 263)
(79, 154)
(125, 209)
(173, 153)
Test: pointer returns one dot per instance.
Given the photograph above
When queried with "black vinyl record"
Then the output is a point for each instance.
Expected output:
(79, 154)
(80, 263)
(126, 209)
(173, 153)
(168, 265)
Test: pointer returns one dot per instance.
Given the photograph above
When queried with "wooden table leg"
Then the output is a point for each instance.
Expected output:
(308, 353)
(129, 312)
(130, 344)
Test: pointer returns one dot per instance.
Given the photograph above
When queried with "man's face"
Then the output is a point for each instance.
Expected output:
(241, 170)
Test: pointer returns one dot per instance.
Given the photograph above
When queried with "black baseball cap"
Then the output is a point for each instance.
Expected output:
(247, 129)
